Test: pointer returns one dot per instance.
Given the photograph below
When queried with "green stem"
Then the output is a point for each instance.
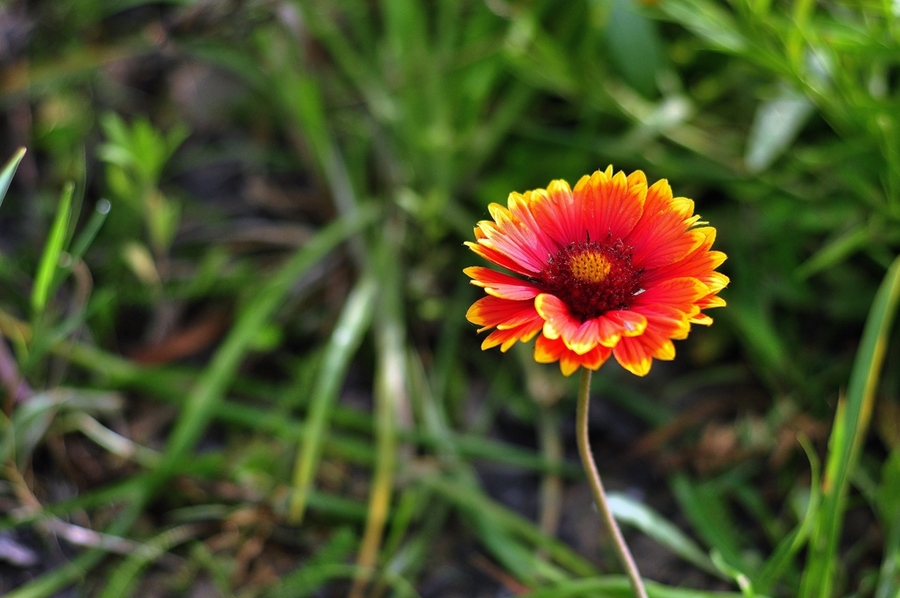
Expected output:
(590, 468)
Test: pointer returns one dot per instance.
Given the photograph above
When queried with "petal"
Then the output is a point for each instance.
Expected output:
(483, 248)
(501, 285)
(581, 337)
(668, 321)
(614, 325)
(633, 355)
(636, 353)
(507, 235)
(520, 208)
(660, 237)
(547, 350)
(610, 206)
(716, 281)
(631, 322)
(637, 178)
(711, 301)
(584, 338)
(700, 263)
(557, 213)
(609, 331)
(491, 311)
(552, 350)
(669, 327)
(507, 337)
(702, 319)
(556, 315)
(578, 336)
(678, 293)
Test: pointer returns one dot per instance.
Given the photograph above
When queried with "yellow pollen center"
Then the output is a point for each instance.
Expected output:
(589, 266)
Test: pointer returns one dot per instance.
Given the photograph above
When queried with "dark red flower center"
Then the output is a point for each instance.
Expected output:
(592, 278)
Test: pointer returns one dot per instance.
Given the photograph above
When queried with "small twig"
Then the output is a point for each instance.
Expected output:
(115, 443)
(82, 536)
(490, 569)
(590, 468)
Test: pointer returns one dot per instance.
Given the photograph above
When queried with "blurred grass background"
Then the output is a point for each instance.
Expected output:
(236, 361)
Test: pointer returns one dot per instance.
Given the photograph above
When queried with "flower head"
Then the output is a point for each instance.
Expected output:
(610, 267)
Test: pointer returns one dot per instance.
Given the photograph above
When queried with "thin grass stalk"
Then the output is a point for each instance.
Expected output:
(353, 322)
(849, 432)
(590, 468)
(390, 400)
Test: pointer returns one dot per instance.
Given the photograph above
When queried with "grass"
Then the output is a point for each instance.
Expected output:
(235, 352)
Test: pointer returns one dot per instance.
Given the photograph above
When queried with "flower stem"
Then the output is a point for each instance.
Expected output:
(590, 468)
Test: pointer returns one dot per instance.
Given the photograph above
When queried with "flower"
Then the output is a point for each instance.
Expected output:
(610, 267)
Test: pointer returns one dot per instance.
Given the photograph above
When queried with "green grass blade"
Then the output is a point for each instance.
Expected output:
(311, 577)
(709, 21)
(709, 515)
(51, 583)
(391, 399)
(81, 244)
(889, 512)
(472, 500)
(401, 520)
(889, 575)
(203, 399)
(835, 251)
(847, 437)
(300, 96)
(9, 169)
(790, 545)
(90, 230)
(52, 250)
(125, 577)
(514, 555)
(618, 586)
(353, 323)
(320, 574)
(659, 528)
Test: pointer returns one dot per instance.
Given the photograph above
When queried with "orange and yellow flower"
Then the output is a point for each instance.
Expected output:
(611, 267)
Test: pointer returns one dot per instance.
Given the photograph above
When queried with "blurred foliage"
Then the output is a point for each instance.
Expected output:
(235, 351)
